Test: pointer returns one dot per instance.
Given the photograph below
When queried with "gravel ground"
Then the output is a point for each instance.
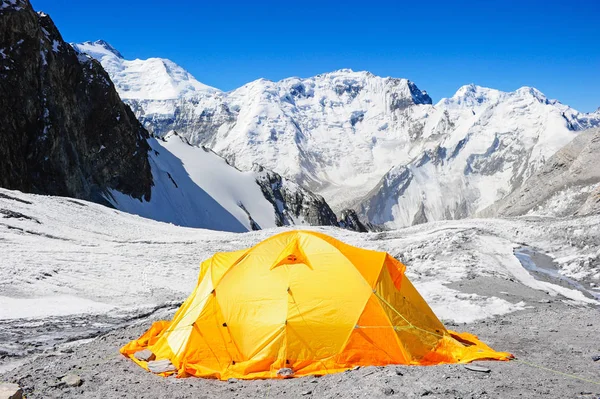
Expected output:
(467, 270)
(551, 332)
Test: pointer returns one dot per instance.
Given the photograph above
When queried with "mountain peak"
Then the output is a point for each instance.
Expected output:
(104, 44)
(343, 70)
(150, 79)
(472, 90)
(346, 72)
(533, 92)
(97, 49)
(472, 95)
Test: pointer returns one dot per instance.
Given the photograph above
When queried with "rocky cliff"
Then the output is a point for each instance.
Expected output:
(293, 204)
(63, 128)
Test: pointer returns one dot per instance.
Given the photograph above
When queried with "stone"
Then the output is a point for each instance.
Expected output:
(305, 393)
(596, 358)
(285, 372)
(388, 391)
(71, 380)
(10, 391)
(479, 369)
(145, 355)
(161, 366)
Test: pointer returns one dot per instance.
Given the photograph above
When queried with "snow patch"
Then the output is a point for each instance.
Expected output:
(60, 305)
(452, 305)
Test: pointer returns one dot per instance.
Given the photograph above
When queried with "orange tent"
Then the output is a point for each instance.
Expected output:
(304, 303)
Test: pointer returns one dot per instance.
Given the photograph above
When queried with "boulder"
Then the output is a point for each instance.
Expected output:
(10, 391)
(71, 380)
(161, 366)
(285, 372)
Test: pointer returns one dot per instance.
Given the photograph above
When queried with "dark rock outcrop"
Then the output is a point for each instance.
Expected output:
(293, 203)
(63, 128)
(420, 216)
(349, 220)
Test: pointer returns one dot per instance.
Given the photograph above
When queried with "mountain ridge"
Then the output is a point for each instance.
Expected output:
(340, 133)
(567, 185)
(66, 132)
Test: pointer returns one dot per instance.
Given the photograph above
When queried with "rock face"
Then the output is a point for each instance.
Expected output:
(568, 184)
(63, 130)
(292, 203)
(420, 216)
(349, 220)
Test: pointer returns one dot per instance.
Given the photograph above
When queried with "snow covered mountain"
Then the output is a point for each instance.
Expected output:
(489, 143)
(568, 184)
(195, 187)
(66, 132)
(376, 144)
(152, 79)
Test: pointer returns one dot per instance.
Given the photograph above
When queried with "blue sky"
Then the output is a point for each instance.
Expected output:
(440, 45)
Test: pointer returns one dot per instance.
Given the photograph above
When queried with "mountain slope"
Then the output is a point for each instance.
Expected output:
(63, 129)
(301, 128)
(377, 144)
(195, 187)
(496, 141)
(154, 78)
(569, 183)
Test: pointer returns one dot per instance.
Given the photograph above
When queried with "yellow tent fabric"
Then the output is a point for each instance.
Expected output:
(305, 301)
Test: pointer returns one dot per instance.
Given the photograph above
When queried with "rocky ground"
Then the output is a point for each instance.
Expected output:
(78, 281)
(553, 334)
